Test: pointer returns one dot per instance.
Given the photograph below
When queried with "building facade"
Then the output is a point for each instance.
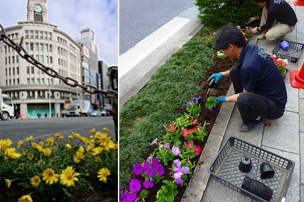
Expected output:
(33, 91)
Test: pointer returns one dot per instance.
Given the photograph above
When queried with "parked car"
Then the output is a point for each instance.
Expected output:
(98, 113)
(108, 108)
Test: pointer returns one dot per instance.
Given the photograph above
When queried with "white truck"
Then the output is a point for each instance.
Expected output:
(6, 107)
(79, 108)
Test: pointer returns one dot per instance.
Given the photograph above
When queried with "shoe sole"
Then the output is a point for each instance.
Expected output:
(247, 130)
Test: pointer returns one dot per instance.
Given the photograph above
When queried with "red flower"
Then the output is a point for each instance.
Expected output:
(191, 130)
(189, 144)
(194, 121)
(198, 128)
(188, 118)
(197, 149)
(171, 128)
(186, 133)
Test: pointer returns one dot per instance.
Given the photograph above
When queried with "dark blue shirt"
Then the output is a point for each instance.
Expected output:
(260, 74)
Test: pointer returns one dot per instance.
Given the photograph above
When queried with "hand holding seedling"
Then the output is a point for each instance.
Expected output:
(217, 76)
(220, 100)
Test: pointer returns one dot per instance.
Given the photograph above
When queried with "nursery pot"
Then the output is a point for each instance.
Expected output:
(266, 171)
(245, 164)
(257, 188)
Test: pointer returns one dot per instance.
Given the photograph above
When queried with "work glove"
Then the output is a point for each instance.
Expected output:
(221, 99)
(255, 30)
(217, 76)
(252, 19)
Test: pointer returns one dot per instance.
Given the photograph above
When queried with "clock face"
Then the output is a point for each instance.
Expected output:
(37, 8)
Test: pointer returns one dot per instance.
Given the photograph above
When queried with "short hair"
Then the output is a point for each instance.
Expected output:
(229, 34)
(260, 1)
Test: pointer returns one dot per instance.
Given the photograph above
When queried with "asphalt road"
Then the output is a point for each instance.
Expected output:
(139, 18)
(43, 128)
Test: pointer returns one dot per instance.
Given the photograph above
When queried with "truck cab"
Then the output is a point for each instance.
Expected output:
(6, 107)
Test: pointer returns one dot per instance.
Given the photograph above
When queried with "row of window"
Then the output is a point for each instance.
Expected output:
(62, 41)
(15, 82)
(13, 36)
(11, 71)
(39, 81)
(9, 60)
(38, 47)
(38, 34)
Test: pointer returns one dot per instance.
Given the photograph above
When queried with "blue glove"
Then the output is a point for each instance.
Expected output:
(220, 100)
(217, 76)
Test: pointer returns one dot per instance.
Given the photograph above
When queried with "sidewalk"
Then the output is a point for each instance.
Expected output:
(284, 137)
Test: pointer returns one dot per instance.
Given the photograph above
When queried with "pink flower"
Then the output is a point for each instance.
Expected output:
(185, 132)
(285, 64)
(197, 149)
(189, 144)
(194, 121)
(188, 118)
(171, 128)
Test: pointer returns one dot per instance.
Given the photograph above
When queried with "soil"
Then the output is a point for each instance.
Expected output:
(219, 65)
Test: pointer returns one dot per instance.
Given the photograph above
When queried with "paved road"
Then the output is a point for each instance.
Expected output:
(43, 128)
(140, 18)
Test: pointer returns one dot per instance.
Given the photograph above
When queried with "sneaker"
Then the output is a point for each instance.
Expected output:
(244, 128)
(262, 36)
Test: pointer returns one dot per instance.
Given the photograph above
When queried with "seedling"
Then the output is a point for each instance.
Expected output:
(211, 103)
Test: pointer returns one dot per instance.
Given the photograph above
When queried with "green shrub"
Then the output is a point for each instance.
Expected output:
(143, 116)
(220, 12)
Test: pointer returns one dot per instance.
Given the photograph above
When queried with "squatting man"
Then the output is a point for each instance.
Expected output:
(260, 90)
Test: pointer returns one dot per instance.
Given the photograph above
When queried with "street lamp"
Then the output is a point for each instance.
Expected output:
(50, 107)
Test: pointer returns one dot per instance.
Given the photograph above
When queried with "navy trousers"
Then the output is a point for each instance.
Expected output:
(252, 105)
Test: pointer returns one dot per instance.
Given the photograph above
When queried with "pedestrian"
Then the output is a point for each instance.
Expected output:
(45, 115)
(258, 84)
(19, 115)
(278, 19)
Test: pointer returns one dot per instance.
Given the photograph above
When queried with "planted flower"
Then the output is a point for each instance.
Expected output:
(220, 54)
(280, 63)
(211, 103)
(194, 107)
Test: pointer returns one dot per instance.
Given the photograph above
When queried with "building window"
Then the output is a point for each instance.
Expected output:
(13, 59)
(41, 59)
(26, 34)
(13, 70)
(41, 46)
(32, 46)
(32, 34)
(58, 61)
(51, 59)
(38, 81)
(27, 69)
(6, 60)
(47, 59)
(36, 34)
(33, 81)
(14, 82)
(42, 81)
(10, 82)
(37, 58)
(41, 35)
(37, 46)
(32, 69)
(17, 70)
(28, 81)
(46, 47)
(17, 58)
(27, 47)
(50, 36)
(17, 36)
(45, 35)
(5, 72)
(6, 82)
(51, 47)
(9, 71)
(5, 48)
(18, 82)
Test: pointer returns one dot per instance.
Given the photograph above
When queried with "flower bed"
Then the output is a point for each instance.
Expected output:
(58, 170)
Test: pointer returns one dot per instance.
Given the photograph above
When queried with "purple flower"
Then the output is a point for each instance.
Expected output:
(160, 169)
(131, 197)
(151, 180)
(167, 145)
(176, 169)
(176, 150)
(188, 104)
(138, 169)
(179, 181)
(121, 189)
(155, 162)
(194, 100)
(146, 165)
(161, 146)
(177, 175)
(150, 172)
(154, 141)
(200, 97)
(148, 184)
(135, 185)
(177, 163)
(185, 170)
(136, 200)
(124, 196)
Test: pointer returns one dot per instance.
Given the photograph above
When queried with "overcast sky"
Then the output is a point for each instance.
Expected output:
(70, 16)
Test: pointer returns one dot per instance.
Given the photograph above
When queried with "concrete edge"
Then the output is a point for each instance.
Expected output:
(198, 183)
(189, 30)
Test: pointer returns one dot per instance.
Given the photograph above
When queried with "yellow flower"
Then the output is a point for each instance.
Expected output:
(68, 146)
(103, 173)
(81, 150)
(30, 156)
(49, 176)
(67, 177)
(75, 159)
(97, 159)
(14, 155)
(57, 134)
(61, 137)
(35, 181)
(105, 129)
(79, 155)
(90, 147)
(29, 138)
(41, 144)
(85, 140)
(8, 142)
(92, 131)
(109, 145)
(25, 198)
(47, 151)
(20, 143)
(76, 135)
(41, 162)
(71, 138)
(8, 183)
(34, 145)
(21, 166)
(97, 150)
(50, 139)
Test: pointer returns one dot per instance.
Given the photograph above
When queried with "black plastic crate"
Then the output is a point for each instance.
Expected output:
(292, 54)
(225, 168)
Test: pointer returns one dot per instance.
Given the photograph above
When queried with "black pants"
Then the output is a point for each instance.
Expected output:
(252, 105)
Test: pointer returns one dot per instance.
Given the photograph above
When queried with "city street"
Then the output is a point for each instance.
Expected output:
(43, 128)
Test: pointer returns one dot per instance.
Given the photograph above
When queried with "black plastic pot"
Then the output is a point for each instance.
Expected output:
(266, 171)
(245, 164)
(257, 188)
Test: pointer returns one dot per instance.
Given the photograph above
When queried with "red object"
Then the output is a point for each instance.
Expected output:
(297, 77)
(298, 3)
(267, 124)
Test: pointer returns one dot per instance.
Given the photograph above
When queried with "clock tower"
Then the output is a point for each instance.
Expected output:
(37, 10)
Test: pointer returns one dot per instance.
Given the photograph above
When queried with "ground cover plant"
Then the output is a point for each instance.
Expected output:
(57, 169)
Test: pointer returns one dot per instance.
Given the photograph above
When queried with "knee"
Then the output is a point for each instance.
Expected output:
(270, 37)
